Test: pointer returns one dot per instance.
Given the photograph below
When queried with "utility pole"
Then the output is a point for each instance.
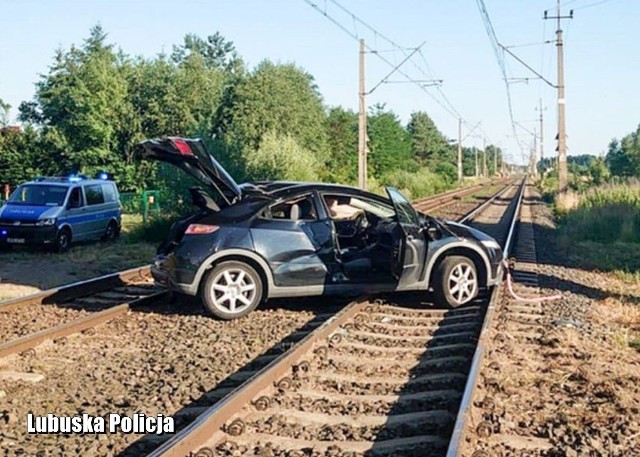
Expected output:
(477, 171)
(460, 151)
(484, 158)
(362, 126)
(535, 153)
(541, 135)
(495, 160)
(562, 134)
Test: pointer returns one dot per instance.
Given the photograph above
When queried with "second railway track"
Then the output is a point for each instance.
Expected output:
(29, 321)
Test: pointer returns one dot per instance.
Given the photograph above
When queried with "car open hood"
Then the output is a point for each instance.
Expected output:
(191, 155)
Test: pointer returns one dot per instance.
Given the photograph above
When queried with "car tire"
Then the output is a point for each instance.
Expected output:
(231, 290)
(456, 281)
(63, 240)
(111, 232)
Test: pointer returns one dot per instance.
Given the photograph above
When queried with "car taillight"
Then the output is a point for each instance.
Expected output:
(200, 229)
(181, 145)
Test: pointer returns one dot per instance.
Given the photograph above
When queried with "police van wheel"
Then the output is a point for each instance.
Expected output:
(63, 240)
(111, 232)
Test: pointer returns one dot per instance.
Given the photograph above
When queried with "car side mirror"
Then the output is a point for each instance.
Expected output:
(434, 233)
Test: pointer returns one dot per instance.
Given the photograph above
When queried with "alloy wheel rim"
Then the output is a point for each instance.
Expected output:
(233, 290)
(463, 283)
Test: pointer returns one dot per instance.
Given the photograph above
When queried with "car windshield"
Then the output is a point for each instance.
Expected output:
(39, 195)
(373, 207)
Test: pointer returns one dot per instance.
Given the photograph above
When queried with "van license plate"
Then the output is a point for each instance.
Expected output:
(15, 240)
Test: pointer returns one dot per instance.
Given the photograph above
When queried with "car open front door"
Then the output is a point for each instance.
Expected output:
(412, 251)
(192, 156)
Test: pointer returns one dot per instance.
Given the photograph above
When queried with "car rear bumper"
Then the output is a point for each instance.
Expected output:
(164, 278)
(31, 235)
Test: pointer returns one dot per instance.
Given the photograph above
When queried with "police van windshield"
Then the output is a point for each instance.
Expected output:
(39, 195)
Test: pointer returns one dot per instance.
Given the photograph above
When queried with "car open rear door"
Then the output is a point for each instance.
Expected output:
(192, 156)
(411, 255)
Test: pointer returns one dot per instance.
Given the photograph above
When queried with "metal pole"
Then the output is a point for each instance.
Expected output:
(484, 159)
(460, 151)
(362, 126)
(562, 140)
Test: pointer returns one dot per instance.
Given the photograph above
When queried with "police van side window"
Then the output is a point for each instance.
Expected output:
(75, 198)
(94, 194)
(109, 193)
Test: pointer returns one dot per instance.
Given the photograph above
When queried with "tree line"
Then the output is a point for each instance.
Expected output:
(95, 103)
(622, 161)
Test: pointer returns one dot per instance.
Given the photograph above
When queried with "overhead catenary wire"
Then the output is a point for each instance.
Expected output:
(442, 100)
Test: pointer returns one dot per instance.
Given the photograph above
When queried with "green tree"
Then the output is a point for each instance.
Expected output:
(215, 51)
(623, 157)
(19, 151)
(281, 158)
(428, 145)
(342, 129)
(279, 98)
(598, 171)
(389, 143)
(83, 100)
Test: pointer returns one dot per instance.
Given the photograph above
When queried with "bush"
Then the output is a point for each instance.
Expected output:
(281, 158)
(420, 184)
(154, 230)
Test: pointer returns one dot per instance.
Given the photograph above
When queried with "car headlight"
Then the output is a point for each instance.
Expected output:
(48, 221)
(491, 244)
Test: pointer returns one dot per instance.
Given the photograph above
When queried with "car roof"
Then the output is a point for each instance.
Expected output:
(280, 189)
(65, 182)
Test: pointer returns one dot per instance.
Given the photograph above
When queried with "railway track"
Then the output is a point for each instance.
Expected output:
(380, 377)
(56, 313)
(436, 202)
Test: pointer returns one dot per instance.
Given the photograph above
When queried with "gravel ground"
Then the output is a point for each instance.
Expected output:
(156, 360)
(30, 319)
(560, 378)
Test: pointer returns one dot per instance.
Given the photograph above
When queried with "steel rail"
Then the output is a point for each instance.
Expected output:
(484, 205)
(443, 199)
(199, 431)
(464, 410)
(77, 289)
(209, 425)
(32, 340)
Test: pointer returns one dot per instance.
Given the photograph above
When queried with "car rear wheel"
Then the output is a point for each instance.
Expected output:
(456, 281)
(232, 290)
(63, 240)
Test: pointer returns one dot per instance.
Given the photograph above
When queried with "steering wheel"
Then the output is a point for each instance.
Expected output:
(360, 224)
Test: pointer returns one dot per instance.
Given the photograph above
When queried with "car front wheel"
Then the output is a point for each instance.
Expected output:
(456, 281)
(63, 240)
(232, 290)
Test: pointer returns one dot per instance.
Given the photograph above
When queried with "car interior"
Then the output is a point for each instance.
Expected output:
(367, 237)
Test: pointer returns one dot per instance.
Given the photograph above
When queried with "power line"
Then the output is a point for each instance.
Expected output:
(445, 103)
(499, 54)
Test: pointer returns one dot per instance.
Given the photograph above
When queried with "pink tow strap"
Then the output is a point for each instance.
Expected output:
(509, 281)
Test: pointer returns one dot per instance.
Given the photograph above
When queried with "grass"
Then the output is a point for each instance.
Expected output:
(600, 228)
(609, 213)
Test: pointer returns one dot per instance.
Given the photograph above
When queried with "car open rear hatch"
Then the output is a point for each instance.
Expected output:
(191, 155)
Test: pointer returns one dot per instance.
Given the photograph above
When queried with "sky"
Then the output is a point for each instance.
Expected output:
(602, 45)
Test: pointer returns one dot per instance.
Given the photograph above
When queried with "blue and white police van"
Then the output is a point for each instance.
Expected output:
(56, 211)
